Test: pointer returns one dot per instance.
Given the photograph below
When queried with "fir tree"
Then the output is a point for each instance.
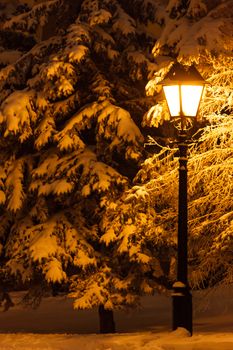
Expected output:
(70, 108)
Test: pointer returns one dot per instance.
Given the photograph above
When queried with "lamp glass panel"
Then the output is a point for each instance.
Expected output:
(173, 100)
(190, 95)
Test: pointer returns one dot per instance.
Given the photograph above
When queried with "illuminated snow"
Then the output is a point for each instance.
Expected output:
(148, 328)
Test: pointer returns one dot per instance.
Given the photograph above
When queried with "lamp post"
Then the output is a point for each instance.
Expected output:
(183, 90)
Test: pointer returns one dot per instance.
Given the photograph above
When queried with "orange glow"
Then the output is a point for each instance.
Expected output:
(188, 102)
(190, 96)
(173, 99)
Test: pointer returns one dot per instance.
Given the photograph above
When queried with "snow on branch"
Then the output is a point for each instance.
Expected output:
(123, 23)
(140, 63)
(99, 17)
(78, 40)
(76, 54)
(44, 132)
(16, 249)
(116, 124)
(17, 114)
(103, 287)
(131, 224)
(17, 73)
(35, 17)
(14, 183)
(205, 36)
(218, 98)
(90, 292)
(101, 87)
(54, 271)
(56, 79)
(49, 246)
(197, 8)
(68, 136)
(113, 123)
(59, 176)
(43, 243)
(78, 34)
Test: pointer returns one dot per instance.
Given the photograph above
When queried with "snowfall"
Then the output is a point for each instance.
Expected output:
(54, 325)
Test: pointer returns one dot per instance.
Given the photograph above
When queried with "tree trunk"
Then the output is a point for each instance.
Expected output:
(106, 320)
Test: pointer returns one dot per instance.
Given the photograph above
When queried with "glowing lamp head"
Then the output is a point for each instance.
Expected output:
(183, 88)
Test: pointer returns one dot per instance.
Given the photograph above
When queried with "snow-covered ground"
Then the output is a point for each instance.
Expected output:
(131, 341)
(56, 326)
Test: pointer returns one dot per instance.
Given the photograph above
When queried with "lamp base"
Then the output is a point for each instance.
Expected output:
(182, 307)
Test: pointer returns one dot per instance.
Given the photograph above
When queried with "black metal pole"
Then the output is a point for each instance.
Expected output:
(182, 298)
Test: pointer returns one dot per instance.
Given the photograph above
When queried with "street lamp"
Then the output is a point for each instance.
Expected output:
(183, 89)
